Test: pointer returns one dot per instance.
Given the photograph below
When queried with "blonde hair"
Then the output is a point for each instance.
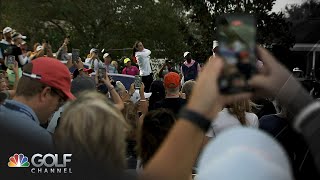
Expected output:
(92, 128)
(239, 109)
(115, 64)
(130, 113)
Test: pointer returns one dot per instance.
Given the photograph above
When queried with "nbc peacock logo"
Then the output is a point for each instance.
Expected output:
(18, 160)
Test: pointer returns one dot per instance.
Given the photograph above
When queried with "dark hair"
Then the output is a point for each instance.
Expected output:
(158, 92)
(134, 49)
(156, 125)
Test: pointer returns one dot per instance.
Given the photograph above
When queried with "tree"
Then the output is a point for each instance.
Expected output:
(272, 28)
(101, 24)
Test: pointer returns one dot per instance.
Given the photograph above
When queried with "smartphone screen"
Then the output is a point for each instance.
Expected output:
(237, 47)
(75, 55)
(10, 61)
(102, 73)
(137, 82)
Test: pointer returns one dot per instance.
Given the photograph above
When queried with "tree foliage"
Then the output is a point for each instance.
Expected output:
(272, 28)
(101, 24)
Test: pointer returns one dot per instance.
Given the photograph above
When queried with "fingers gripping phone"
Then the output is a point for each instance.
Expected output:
(75, 55)
(102, 73)
(10, 61)
(237, 47)
(137, 82)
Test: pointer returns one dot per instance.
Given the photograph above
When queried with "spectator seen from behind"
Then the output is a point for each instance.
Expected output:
(172, 101)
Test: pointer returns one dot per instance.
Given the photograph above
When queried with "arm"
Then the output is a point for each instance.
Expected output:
(199, 68)
(276, 81)
(16, 73)
(113, 93)
(161, 71)
(143, 101)
(184, 142)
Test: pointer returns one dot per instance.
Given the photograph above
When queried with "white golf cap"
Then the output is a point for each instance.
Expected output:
(105, 55)
(39, 48)
(185, 54)
(7, 30)
(18, 35)
(93, 50)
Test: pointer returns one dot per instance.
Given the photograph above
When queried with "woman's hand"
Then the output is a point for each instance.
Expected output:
(272, 75)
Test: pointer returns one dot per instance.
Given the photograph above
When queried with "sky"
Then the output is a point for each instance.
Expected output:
(281, 4)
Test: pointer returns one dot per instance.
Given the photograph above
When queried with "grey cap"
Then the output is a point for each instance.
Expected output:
(82, 83)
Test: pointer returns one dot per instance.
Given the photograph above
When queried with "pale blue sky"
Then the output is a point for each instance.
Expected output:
(280, 4)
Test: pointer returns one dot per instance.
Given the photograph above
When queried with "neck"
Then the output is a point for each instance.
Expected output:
(8, 40)
(188, 60)
(107, 63)
(129, 66)
(172, 95)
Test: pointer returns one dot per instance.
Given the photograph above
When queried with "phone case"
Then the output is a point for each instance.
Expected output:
(237, 46)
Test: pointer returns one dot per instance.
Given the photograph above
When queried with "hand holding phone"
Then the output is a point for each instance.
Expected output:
(75, 55)
(10, 61)
(137, 82)
(237, 47)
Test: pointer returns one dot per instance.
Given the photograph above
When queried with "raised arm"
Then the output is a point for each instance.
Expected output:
(179, 152)
(113, 93)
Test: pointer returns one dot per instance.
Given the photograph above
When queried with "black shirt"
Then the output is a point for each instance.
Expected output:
(173, 104)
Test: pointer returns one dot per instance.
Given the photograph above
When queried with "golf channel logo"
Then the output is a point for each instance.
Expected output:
(48, 163)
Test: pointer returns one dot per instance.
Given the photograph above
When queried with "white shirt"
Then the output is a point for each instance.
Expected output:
(226, 120)
(143, 59)
(96, 64)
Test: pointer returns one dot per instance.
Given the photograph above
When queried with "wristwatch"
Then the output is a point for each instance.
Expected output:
(196, 118)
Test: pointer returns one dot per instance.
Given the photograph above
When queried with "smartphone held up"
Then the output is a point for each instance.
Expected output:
(75, 55)
(9, 61)
(137, 82)
(237, 47)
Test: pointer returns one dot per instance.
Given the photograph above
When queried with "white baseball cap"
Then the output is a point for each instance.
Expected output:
(7, 30)
(39, 48)
(185, 54)
(93, 50)
(105, 55)
(18, 35)
(136, 96)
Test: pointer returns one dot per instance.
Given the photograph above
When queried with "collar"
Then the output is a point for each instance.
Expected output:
(24, 108)
(5, 42)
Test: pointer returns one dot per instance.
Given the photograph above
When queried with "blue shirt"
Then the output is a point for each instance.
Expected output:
(18, 122)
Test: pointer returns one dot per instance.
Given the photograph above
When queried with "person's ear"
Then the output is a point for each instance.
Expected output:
(45, 93)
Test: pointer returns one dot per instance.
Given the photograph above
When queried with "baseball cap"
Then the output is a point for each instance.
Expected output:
(185, 54)
(7, 30)
(136, 96)
(39, 48)
(106, 55)
(171, 80)
(17, 35)
(244, 153)
(126, 60)
(93, 50)
(52, 72)
(82, 83)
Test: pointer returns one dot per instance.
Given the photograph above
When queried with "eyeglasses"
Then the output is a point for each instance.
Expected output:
(62, 98)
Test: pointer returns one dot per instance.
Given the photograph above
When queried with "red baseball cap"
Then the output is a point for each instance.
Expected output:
(52, 72)
(171, 80)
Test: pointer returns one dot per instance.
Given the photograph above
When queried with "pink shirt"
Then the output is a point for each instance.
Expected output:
(133, 70)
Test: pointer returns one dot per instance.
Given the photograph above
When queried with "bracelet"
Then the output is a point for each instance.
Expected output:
(143, 100)
(196, 118)
(81, 69)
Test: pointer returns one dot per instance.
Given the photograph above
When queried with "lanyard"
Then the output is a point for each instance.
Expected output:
(19, 109)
